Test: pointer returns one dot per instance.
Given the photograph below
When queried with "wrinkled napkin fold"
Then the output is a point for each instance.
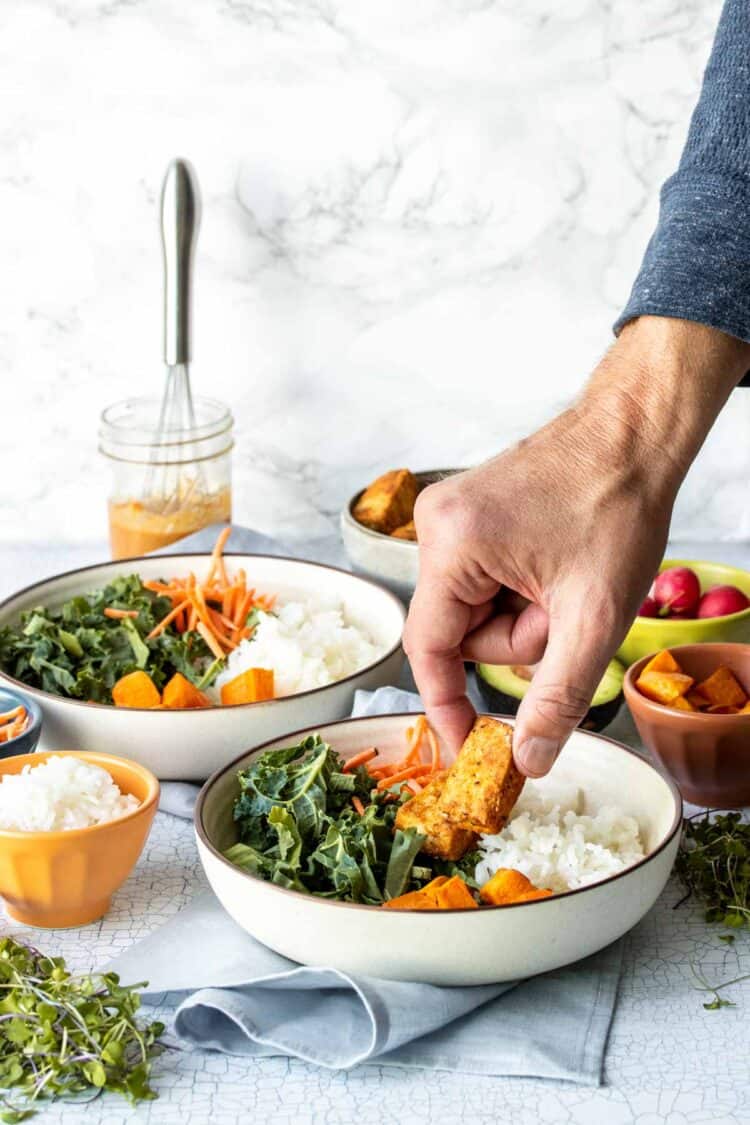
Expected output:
(235, 995)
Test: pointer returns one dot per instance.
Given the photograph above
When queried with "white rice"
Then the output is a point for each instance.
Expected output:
(555, 844)
(308, 644)
(59, 794)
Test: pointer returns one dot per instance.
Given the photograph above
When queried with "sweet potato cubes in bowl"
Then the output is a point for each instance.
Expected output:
(691, 709)
(664, 681)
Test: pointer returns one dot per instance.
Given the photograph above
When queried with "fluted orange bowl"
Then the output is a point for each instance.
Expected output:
(67, 878)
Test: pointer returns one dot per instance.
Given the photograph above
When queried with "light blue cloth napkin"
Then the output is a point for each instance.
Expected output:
(244, 999)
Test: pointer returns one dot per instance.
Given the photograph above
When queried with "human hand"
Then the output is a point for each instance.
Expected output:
(544, 553)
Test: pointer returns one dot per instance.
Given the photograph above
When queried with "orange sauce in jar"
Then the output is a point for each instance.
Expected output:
(136, 527)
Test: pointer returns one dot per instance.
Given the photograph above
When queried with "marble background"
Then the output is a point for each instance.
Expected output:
(420, 220)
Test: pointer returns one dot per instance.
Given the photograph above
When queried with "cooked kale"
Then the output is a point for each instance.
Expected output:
(298, 828)
(78, 652)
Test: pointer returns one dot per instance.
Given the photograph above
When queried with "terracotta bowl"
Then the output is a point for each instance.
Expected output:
(707, 755)
(61, 879)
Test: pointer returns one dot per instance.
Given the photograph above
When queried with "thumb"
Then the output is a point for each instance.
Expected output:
(560, 695)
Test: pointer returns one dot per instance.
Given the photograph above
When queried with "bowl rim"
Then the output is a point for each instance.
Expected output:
(409, 545)
(652, 622)
(651, 707)
(96, 758)
(201, 833)
(6, 678)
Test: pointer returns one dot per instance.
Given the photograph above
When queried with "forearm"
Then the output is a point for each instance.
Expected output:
(659, 391)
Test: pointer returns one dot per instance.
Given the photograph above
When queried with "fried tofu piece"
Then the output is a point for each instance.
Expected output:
(408, 531)
(389, 501)
(484, 783)
(423, 813)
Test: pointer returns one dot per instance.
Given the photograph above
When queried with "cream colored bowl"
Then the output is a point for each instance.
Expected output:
(394, 562)
(190, 745)
(452, 947)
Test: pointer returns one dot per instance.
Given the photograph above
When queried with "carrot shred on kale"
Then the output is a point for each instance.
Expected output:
(215, 607)
(360, 808)
(210, 640)
(167, 620)
(360, 759)
(120, 614)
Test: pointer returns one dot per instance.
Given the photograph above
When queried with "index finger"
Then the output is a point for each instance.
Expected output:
(437, 624)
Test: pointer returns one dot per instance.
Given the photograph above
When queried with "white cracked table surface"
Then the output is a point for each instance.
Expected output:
(669, 1061)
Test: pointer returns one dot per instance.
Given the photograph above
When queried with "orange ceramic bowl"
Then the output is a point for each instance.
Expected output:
(59, 879)
(707, 755)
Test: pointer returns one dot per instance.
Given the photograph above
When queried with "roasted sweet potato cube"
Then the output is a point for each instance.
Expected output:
(388, 502)
(722, 689)
(723, 709)
(484, 783)
(455, 895)
(506, 885)
(252, 686)
(431, 888)
(663, 687)
(746, 709)
(408, 531)
(697, 701)
(180, 694)
(681, 704)
(662, 662)
(422, 812)
(137, 689)
(413, 900)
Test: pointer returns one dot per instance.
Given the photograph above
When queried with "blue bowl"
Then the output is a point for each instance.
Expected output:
(25, 743)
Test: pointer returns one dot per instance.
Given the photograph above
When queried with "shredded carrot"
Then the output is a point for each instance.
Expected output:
(167, 620)
(13, 723)
(120, 614)
(358, 805)
(210, 640)
(361, 758)
(16, 713)
(402, 775)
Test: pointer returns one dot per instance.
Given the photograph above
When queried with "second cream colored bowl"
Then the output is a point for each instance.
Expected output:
(452, 947)
(60, 879)
(190, 745)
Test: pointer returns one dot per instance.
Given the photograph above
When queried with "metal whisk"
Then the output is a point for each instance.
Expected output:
(169, 484)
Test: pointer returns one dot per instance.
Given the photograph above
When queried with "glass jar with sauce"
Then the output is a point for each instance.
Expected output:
(165, 489)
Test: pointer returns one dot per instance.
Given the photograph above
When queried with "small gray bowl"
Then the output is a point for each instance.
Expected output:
(392, 562)
(25, 743)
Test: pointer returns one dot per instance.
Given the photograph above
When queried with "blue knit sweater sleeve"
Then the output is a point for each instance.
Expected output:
(697, 264)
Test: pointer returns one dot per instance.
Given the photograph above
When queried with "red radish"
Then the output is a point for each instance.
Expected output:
(722, 600)
(676, 590)
(649, 608)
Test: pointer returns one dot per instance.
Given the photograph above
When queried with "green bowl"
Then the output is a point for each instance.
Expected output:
(650, 634)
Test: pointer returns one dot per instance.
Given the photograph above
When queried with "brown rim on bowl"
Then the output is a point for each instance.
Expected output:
(426, 477)
(96, 758)
(203, 555)
(200, 829)
(651, 706)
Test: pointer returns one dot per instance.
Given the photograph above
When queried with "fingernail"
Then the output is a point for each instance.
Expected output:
(537, 755)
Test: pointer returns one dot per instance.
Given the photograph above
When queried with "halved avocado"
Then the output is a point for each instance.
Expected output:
(503, 686)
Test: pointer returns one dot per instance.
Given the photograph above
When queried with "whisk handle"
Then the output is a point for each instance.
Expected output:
(180, 220)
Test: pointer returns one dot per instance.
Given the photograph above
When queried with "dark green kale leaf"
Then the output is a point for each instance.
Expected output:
(298, 828)
(78, 652)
